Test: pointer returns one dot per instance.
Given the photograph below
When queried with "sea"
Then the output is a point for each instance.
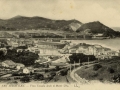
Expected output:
(113, 44)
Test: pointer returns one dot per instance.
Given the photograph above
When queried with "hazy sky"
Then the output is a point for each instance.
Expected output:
(105, 11)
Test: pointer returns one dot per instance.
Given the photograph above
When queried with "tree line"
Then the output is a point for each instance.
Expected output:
(80, 57)
(25, 57)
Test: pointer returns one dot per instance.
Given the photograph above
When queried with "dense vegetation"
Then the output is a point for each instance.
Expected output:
(97, 27)
(40, 35)
(34, 23)
(27, 23)
(40, 23)
(25, 57)
(105, 70)
(82, 57)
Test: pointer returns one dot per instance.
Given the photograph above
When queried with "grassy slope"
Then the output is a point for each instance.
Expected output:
(101, 74)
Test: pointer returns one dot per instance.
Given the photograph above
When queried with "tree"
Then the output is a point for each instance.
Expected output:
(27, 58)
(57, 68)
(1, 55)
(22, 47)
(25, 79)
(64, 72)
(75, 57)
(97, 66)
(38, 77)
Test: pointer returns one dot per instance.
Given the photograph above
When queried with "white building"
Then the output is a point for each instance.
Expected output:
(19, 66)
(26, 71)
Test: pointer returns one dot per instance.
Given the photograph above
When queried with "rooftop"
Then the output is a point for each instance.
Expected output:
(50, 43)
(9, 62)
(80, 45)
(20, 64)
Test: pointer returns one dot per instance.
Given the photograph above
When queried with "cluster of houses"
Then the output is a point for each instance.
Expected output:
(15, 67)
(19, 67)
(99, 36)
(97, 50)
(54, 61)
(20, 42)
(36, 46)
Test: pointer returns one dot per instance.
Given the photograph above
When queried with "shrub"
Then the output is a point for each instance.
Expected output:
(52, 74)
(46, 70)
(101, 79)
(57, 68)
(86, 67)
(56, 78)
(64, 72)
(111, 70)
(25, 79)
(116, 78)
(96, 67)
(38, 77)
(15, 82)
(94, 75)
(36, 65)
(18, 74)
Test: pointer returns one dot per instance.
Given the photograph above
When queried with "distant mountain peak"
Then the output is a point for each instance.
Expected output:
(97, 27)
(18, 16)
(97, 21)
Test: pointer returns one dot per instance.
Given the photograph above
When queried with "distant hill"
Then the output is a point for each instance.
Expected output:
(35, 23)
(69, 28)
(97, 27)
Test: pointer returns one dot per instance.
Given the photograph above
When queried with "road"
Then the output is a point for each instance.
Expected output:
(77, 78)
(7, 75)
(62, 79)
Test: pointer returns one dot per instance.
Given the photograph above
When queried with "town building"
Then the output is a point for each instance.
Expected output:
(26, 70)
(34, 49)
(19, 66)
(98, 36)
(63, 61)
(51, 45)
(26, 42)
(9, 64)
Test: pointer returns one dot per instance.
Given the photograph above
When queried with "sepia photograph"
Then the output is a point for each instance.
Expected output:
(60, 44)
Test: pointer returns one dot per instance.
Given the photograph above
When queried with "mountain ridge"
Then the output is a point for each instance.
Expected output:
(23, 23)
(40, 23)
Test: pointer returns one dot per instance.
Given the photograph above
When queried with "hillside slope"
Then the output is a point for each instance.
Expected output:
(106, 70)
(97, 27)
(35, 23)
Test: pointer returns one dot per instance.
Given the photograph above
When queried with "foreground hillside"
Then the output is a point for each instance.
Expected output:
(104, 71)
